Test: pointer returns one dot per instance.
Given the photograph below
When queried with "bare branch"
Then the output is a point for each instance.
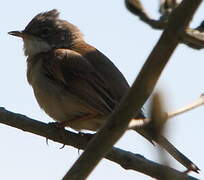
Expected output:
(193, 38)
(126, 159)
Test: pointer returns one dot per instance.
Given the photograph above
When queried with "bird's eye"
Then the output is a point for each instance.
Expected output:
(45, 32)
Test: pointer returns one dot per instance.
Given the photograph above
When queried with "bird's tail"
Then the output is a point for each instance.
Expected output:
(180, 157)
(170, 148)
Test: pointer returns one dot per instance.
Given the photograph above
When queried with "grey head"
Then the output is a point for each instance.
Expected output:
(46, 31)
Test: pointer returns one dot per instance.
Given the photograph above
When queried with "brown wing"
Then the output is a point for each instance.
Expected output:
(72, 71)
(114, 78)
(118, 86)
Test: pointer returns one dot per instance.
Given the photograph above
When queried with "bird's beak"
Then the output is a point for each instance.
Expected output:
(17, 33)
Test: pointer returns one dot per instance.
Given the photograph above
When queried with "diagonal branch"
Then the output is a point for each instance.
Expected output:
(126, 159)
(142, 88)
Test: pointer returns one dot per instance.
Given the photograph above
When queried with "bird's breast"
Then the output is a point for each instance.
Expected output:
(57, 102)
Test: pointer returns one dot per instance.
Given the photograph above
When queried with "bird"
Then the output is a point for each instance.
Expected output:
(73, 82)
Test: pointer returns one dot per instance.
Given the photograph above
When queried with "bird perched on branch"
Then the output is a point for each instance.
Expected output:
(73, 82)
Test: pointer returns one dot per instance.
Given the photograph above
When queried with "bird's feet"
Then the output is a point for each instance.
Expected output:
(60, 127)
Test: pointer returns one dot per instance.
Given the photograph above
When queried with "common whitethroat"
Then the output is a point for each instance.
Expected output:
(73, 82)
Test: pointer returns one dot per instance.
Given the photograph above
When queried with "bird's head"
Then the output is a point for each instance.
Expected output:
(46, 31)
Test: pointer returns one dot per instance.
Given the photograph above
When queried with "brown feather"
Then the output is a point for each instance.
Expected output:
(66, 86)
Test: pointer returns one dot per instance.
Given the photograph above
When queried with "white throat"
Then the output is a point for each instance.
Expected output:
(33, 46)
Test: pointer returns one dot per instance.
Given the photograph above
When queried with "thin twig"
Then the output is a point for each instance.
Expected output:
(195, 104)
(138, 123)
